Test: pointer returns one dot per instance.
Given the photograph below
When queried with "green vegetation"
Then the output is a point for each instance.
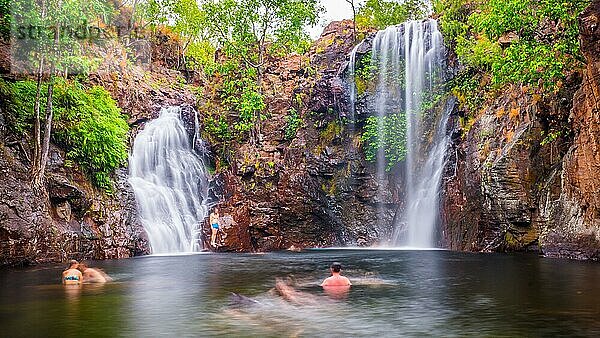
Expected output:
(93, 130)
(386, 134)
(294, 122)
(60, 47)
(380, 14)
(364, 73)
(502, 42)
(87, 123)
(246, 33)
(5, 20)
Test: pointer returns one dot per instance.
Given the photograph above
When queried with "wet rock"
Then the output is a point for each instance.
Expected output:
(73, 220)
(507, 38)
(315, 189)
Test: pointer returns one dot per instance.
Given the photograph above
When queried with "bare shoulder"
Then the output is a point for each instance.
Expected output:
(326, 281)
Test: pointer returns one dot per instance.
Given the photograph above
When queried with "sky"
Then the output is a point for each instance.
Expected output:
(335, 10)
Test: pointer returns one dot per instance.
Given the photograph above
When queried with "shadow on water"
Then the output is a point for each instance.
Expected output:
(394, 293)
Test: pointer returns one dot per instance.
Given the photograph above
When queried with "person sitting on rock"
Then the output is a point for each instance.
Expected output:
(71, 275)
(214, 226)
(92, 275)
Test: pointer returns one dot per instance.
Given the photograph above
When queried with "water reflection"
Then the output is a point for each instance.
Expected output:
(397, 293)
(72, 293)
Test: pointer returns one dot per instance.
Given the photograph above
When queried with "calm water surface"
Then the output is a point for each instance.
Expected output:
(395, 293)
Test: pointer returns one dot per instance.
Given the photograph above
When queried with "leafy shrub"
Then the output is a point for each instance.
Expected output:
(480, 53)
(391, 140)
(18, 100)
(93, 130)
(87, 123)
(294, 122)
(364, 73)
(239, 93)
(544, 46)
(453, 19)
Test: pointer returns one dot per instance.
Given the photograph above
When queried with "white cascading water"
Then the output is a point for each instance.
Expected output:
(352, 83)
(409, 59)
(170, 183)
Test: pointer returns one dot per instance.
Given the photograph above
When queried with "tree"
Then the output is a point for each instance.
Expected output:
(50, 37)
(248, 30)
(353, 5)
(383, 13)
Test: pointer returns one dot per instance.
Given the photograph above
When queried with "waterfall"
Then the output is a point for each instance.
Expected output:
(352, 83)
(410, 59)
(170, 183)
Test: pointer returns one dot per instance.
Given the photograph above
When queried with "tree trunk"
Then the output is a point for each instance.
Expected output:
(42, 153)
(351, 2)
(259, 74)
(258, 113)
(37, 137)
(48, 126)
(37, 143)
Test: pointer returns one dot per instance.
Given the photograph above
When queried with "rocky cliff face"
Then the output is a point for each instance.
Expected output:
(508, 185)
(574, 217)
(512, 186)
(314, 189)
(75, 220)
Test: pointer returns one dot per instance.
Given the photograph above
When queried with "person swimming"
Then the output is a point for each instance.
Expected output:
(92, 275)
(336, 278)
(71, 275)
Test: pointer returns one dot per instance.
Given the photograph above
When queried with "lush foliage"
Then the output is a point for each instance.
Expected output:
(87, 123)
(382, 13)
(364, 73)
(92, 128)
(66, 48)
(527, 42)
(246, 33)
(243, 27)
(386, 135)
(294, 122)
(5, 20)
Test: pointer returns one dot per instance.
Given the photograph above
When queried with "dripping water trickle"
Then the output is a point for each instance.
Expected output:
(170, 183)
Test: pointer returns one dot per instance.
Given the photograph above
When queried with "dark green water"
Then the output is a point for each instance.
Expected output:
(395, 293)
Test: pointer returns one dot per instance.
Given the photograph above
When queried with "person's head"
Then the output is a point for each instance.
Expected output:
(73, 264)
(216, 210)
(82, 267)
(336, 267)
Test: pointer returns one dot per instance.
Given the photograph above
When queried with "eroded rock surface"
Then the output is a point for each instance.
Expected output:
(314, 189)
(511, 185)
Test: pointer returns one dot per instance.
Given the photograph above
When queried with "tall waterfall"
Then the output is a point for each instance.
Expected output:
(410, 59)
(352, 83)
(170, 183)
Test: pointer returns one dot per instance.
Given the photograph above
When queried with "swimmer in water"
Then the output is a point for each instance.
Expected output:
(336, 278)
(288, 293)
(71, 275)
(92, 275)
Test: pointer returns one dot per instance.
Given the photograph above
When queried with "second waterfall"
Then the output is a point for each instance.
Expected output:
(409, 67)
(170, 183)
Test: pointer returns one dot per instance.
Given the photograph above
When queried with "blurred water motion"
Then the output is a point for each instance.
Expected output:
(394, 293)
